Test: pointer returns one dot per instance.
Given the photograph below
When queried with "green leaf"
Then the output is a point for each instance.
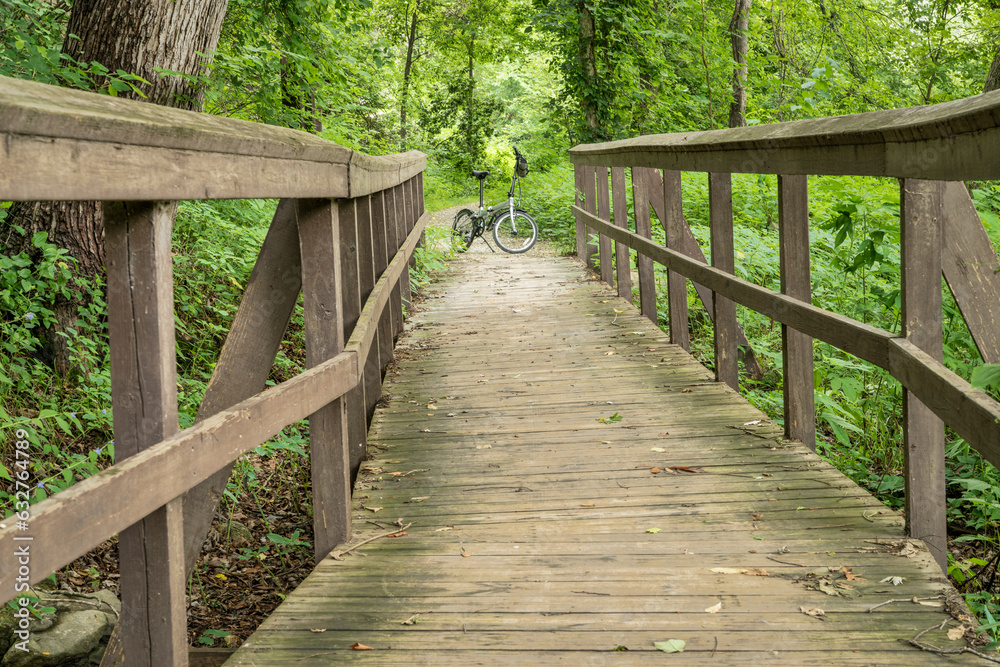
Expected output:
(46, 413)
(986, 376)
(671, 646)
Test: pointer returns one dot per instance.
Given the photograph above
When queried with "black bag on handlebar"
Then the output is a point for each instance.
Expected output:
(522, 166)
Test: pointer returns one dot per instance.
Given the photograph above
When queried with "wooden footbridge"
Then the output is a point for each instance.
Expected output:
(548, 478)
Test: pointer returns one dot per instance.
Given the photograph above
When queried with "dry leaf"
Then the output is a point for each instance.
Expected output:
(484, 446)
(588, 505)
(686, 391)
(756, 516)
(412, 620)
(895, 581)
(850, 575)
(357, 646)
(956, 633)
(757, 572)
(930, 603)
(653, 530)
(318, 630)
(418, 499)
(812, 611)
(658, 450)
(608, 354)
(714, 609)
(431, 406)
(656, 471)
(372, 509)
(727, 570)
(465, 554)
(401, 533)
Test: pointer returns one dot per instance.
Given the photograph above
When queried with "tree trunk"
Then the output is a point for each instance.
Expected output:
(406, 77)
(993, 78)
(134, 37)
(588, 62)
(739, 38)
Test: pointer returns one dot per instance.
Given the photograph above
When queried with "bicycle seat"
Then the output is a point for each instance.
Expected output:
(480, 174)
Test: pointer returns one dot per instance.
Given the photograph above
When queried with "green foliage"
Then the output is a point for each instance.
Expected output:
(209, 637)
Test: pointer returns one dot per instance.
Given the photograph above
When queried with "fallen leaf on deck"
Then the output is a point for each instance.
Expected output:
(371, 509)
(425, 430)
(714, 609)
(686, 391)
(656, 471)
(956, 633)
(895, 581)
(728, 570)
(671, 645)
(757, 572)
(608, 354)
(418, 499)
(412, 620)
(357, 646)
(653, 530)
(318, 630)
(588, 505)
(930, 603)
(465, 554)
(438, 530)
(484, 446)
(431, 406)
(850, 575)
(756, 516)
(401, 533)
(658, 450)
(812, 611)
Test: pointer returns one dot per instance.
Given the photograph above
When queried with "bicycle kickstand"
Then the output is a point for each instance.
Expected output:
(488, 245)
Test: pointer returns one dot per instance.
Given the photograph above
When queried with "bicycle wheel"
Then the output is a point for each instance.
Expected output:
(461, 231)
(517, 234)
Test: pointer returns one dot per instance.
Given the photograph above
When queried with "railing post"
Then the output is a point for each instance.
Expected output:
(366, 281)
(580, 198)
(623, 260)
(922, 213)
(350, 299)
(643, 227)
(144, 398)
(674, 225)
(797, 348)
(395, 241)
(589, 205)
(383, 254)
(720, 189)
(604, 212)
(322, 292)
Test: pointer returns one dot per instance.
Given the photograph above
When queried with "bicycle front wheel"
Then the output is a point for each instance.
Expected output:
(515, 234)
(461, 231)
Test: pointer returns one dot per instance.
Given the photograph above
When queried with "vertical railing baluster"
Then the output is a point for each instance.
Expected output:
(357, 426)
(403, 230)
(392, 233)
(383, 254)
(673, 226)
(144, 399)
(720, 193)
(366, 283)
(322, 298)
(604, 213)
(922, 212)
(581, 228)
(797, 348)
(644, 228)
(590, 205)
(623, 261)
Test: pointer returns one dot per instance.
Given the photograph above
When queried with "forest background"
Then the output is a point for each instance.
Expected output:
(463, 80)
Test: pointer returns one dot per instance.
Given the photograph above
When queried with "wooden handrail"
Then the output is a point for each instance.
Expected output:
(63, 144)
(956, 140)
(925, 147)
(346, 229)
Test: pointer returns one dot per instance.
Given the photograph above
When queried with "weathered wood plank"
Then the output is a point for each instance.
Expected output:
(971, 268)
(643, 228)
(144, 396)
(623, 261)
(590, 204)
(351, 303)
(383, 255)
(604, 212)
(329, 449)
(796, 347)
(950, 141)
(673, 226)
(922, 219)
(720, 194)
(580, 200)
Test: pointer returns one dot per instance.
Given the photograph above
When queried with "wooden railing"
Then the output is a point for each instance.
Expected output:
(931, 150)
(345, 229)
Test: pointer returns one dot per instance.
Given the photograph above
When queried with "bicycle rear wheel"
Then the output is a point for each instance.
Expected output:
(515, 234)
(461, 231)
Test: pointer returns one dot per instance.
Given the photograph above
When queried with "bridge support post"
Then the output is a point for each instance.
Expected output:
(323, 294)
(144, 398)
(623, 259)
(922, 209)
(720, 193)
(644, 228)
(796, 347)
(604, 212)
(673, 225)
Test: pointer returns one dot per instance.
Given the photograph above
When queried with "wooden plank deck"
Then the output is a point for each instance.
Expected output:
(542, 536)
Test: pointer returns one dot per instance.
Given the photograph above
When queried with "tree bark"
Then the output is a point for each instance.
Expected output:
(404, 95)
(739, 38)
(588, 63)
(993, 78)
(135, 37)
